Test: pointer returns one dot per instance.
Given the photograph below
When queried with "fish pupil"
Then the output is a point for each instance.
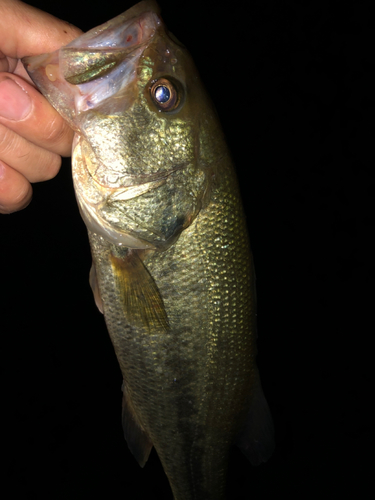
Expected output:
(162, 94)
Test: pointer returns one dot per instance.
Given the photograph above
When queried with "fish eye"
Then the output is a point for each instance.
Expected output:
(165, 94)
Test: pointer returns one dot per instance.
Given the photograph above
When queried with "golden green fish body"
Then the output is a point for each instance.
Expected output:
(190, 386)
(172, 267)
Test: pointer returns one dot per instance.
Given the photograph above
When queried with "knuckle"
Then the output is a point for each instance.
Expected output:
(52, 164)
(34, 162)
(7, 140)
(23, 197)
(56, 131)
(15, 190)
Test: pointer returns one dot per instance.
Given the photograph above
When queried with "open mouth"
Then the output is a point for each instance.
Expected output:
(96, 66)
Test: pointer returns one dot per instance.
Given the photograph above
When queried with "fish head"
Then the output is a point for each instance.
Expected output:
(147, 136)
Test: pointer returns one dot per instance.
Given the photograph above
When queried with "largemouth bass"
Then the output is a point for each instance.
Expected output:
(172, 267)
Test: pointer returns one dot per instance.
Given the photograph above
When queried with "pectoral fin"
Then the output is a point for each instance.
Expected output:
(256, 441)
(136, 437)
(141, 300)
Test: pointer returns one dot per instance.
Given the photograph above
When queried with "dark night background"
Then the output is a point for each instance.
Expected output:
(293, 83)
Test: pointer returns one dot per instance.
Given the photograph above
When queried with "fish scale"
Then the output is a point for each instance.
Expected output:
(172, 267)
(213, 371)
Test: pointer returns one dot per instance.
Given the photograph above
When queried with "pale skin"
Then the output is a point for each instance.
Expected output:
(33, 136)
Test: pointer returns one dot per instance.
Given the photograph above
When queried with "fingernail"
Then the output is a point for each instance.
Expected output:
(15, 103)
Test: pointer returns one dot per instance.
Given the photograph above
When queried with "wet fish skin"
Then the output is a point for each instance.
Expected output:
(172, 266)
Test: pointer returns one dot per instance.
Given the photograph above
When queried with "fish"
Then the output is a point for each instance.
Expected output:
(172, 269)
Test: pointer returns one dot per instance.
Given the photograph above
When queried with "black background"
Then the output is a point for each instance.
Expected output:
(293, 83)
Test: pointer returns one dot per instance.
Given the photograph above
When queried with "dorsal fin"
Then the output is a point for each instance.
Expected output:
(142, 303)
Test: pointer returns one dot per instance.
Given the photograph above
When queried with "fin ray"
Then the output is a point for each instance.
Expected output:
(142, 303)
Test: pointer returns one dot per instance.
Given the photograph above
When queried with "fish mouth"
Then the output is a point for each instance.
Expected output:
(97, 66)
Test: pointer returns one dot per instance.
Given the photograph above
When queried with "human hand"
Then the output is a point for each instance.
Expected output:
(33, 136)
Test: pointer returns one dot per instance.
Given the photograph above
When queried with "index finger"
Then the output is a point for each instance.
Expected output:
(27, 31)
